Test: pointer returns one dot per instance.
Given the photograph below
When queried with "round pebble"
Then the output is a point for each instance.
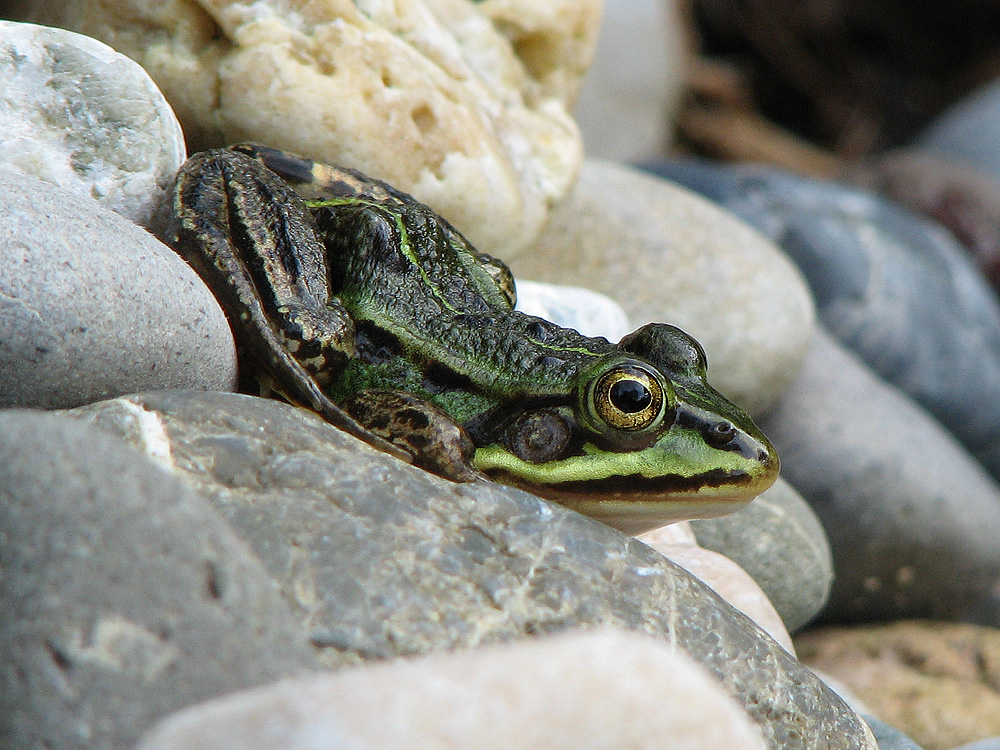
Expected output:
(780, 542)
(535, 693)
(81, 116)
(92, 306)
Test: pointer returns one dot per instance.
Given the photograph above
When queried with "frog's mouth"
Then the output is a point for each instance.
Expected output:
(641, 490)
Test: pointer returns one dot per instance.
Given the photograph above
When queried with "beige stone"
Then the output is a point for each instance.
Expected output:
(465, 109)
(586, 691)
(678, 544)
(935, 681)
(668, 255)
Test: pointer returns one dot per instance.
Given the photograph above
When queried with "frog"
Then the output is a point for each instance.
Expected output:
(351, 298)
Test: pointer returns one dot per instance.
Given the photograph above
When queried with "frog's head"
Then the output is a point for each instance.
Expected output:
(648, 440)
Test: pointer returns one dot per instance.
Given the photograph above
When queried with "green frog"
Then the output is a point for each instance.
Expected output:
(353, 299)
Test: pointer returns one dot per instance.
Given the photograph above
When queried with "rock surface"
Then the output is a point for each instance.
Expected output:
(535, 693)
(85, 118)
(780, 542)
(91, 306)
(667, 255)
(935, 681)
(125, 596)
(676, 542)
(471, 97)
(911, 518)
(894, 288)
(381, 559)
(944, 189)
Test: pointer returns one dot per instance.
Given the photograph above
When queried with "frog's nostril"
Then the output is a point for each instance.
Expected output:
(720, 434)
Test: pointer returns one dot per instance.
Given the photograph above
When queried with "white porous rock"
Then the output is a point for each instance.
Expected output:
(586, 691)
(462, 104)
(82, 116)
(92, 306)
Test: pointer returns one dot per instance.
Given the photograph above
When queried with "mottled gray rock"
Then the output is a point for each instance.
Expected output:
(382, 559)
(910, 516)
(81, 116)
(535, 693)
(124, 595)
(92, 306)
(668, 255)
(893, 287)
(780, 542)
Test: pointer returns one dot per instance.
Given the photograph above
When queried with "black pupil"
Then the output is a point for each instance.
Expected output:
(630, 396)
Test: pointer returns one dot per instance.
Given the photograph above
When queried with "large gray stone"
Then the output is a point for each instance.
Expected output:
(382, 559)
(123, 595)
(92, 306)
(910, 516)
(88, 119)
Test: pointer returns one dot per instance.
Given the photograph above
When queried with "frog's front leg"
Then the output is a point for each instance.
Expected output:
(437, 442)
(254, 243)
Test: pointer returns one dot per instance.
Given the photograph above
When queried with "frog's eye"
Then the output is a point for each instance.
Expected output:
(628, 397)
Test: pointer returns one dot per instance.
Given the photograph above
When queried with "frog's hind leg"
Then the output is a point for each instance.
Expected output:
(253, 242)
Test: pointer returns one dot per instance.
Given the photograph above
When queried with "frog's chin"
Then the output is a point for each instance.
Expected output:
(635, 510)
(638, 514)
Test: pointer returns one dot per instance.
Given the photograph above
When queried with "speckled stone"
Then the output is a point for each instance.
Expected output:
(124, 595)
(910, 516)
(780, 542)
(92, 306)
(893, 287)
(935, 681)
(382, 559)
(534, 693)
(81, 116)
(668, 255)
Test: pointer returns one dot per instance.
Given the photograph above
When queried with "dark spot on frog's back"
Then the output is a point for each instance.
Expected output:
(375, 344)
(290, 168)
(439, 378)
